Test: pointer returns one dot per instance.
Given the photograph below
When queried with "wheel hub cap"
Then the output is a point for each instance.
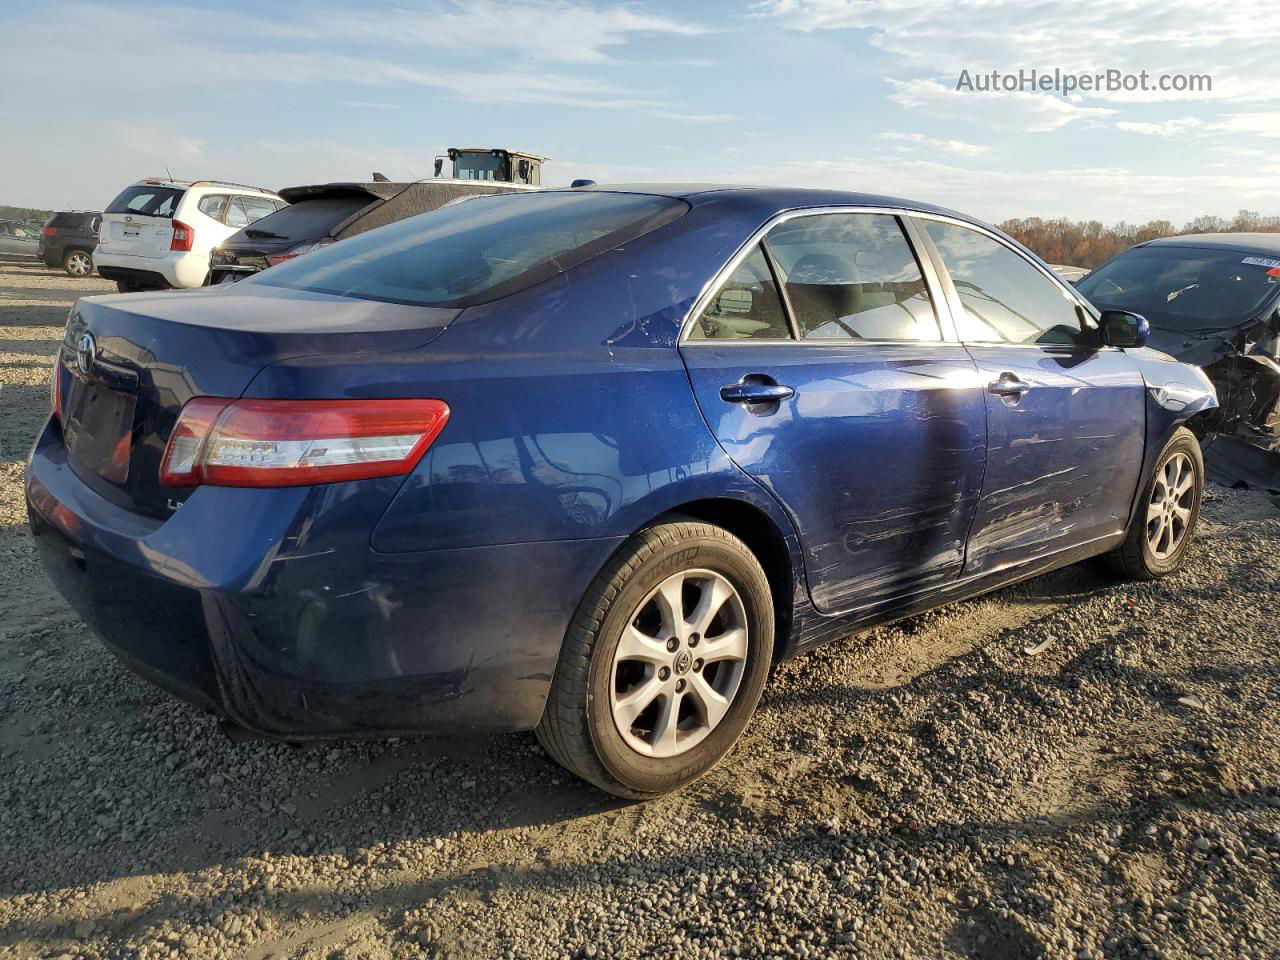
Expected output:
(679, 663)
(1172, 504)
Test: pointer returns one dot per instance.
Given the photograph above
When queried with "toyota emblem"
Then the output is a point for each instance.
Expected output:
(86, 354)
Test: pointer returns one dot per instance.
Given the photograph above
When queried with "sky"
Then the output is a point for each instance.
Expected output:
(850, 94)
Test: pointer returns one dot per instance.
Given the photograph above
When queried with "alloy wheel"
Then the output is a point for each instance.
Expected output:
(679, 663)
(79, 264)
(1173, 499)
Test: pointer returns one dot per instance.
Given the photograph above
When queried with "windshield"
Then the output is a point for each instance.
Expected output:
(478, 166)
(1186, 289)
(474, 252)
(147, 200)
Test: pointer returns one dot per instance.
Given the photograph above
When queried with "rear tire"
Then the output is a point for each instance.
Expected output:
(1165, 520)
(649, 715)
(78, 263)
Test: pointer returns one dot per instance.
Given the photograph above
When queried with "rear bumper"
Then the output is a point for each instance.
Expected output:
(224, 606)
(184, 270)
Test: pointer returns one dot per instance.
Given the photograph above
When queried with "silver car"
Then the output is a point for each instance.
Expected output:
(17, 239)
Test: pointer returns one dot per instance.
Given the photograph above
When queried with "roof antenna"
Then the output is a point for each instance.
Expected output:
(167, 173)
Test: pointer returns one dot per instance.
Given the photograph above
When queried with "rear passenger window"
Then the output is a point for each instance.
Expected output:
(1006, 299)
(237, 216)
(257, 207)
(747, 307)
(213, 205)
(852, 276)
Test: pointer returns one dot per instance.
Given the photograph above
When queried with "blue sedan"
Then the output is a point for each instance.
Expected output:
(590, 461)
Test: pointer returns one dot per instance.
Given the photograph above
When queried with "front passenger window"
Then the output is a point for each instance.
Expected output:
(747, 306)
(1006, 299)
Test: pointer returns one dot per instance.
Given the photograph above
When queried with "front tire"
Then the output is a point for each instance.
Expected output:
(1165, 520)
(78, 263)
(664, 661)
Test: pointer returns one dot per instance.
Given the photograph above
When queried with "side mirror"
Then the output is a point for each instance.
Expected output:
(439, 165)
(1120, 328)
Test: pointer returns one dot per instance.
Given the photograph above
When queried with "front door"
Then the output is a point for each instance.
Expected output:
(820, 367)
(1066, 417)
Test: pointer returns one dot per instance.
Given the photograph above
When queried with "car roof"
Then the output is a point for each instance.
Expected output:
(779, 198)
(220, 184)
(1248, 242)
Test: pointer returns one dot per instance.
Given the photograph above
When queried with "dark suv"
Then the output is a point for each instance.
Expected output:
(67, 241)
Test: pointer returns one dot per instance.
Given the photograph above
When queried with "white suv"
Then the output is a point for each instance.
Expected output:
(159, 233)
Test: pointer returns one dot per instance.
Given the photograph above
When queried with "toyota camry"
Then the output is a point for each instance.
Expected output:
(591, 461)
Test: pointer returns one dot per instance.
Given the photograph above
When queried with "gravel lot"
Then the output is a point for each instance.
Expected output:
(1070, 768)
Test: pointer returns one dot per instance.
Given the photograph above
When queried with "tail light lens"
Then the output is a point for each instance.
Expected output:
(49, 232)
(299, 250)
(288, 443)
(183, 237)
(55, 386)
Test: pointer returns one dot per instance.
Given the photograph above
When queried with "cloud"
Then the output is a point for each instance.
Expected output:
(549, 31)
(1258, 124)
(474, 50)
(910, 141)
(1179, 128)
(1232, 42)
(695, 117)
(1010, 111)
(1069, 191)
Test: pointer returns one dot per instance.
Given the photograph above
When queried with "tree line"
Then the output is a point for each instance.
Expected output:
(1087, 243)
(23, 213)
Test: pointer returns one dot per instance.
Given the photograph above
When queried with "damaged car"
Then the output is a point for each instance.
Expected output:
(1213, 300)
(591, 461)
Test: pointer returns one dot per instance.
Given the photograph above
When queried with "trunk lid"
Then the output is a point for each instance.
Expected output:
(139, 222)
(135, 235)
(129, 363)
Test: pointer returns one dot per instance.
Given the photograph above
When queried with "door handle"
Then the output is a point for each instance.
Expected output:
(755, 392)
(1008, 386)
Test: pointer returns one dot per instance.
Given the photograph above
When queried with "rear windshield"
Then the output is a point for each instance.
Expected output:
(308, 219)
(147, 200)
(72, 221)
(1185, 288)
(477, 250)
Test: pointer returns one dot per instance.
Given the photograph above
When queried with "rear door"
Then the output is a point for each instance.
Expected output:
(825, 365)
(139, 222)
(1066, 417)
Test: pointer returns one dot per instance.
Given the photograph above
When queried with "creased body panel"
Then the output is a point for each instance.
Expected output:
(878, 457)
(1064, 459)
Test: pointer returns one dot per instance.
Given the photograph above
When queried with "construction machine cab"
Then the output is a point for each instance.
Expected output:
(494, 164)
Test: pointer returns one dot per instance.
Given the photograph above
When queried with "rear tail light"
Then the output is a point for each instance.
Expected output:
(288, 443)
(49, 232)
(183, 237)
(299, 250)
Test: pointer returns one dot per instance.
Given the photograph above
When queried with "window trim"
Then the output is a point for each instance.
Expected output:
(222, 215)
(1087, 314)
(941, 305)
(946, 300)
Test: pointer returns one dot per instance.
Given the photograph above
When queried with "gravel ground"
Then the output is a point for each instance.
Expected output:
(1069, 768)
